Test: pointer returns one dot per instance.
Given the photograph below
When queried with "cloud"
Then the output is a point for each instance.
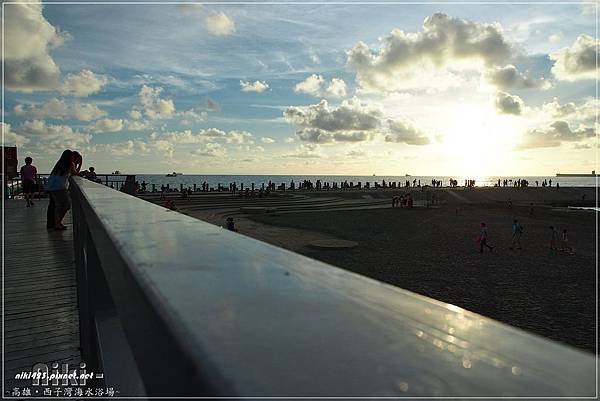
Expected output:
(83, 84)
(219, 24)
(135, 114)
(555, 37)
(190, 116)
(28, 40)
(256, 86)
(316, 135)
(444, 42)
(337, 88)
(60, 110)
(210, 150)
(266, 139)
(351, 115)
(57, 136)
(136, 125)
(554, 135)
(153, 106)
(134, 147)
(107, 125)
(405, 132)
(578, 61)
(209, 135)
(508, 104)
(352, 121)
(12, 138)
(305, 151)
(583, 113)
(508, 77)
(313, 85)
(555, 109)
(356, 153)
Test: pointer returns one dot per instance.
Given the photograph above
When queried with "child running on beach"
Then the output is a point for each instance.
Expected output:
(483, 237)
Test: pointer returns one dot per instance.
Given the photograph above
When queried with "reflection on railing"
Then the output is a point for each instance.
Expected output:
(173, 306)
(14, 187)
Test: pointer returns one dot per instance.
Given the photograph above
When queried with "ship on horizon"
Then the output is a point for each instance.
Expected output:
(593, 174)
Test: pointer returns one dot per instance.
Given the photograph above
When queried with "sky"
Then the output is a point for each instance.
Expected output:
(345, 89)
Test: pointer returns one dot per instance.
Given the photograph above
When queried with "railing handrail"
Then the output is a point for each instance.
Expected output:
(209, 312)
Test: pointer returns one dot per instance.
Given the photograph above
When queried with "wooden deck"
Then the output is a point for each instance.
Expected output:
(41, 323)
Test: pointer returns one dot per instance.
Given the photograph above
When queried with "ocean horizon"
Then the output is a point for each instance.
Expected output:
(188, 180)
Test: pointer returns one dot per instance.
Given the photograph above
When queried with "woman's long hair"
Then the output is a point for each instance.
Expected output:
(63, 165)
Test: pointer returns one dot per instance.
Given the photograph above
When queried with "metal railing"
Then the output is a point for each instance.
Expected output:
(14, 185)
(173, 306)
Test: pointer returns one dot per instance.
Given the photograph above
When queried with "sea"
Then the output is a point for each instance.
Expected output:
(188, 180)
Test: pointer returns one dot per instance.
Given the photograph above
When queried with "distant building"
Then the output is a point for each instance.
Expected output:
(10, 168)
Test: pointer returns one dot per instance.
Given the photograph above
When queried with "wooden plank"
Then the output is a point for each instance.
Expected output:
(41, 329)
(40, 293)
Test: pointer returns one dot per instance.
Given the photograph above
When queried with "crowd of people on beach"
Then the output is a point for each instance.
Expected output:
(253, 189)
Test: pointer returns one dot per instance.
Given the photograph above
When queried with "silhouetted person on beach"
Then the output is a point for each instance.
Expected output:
(230, 224)
(517, 231)
(564, 243)
(553, 238)
(483, 238)
(29, 180)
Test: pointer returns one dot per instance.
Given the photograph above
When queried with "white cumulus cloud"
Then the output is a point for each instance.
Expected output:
(316, 85)
(578, 61)
(28, 40)
(155, 107)
(444, 42)
(84, 83)
(256, 86)
(56, 136)
(508, 104)
(219, 24)
(12, 138)
(509, 77)
(61, 110)
(554, 135)
(107, 125)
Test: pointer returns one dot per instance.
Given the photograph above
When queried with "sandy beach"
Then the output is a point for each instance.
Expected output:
(434, 251)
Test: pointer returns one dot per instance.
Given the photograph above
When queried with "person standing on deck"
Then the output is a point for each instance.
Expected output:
(57, 188)
(29, 180)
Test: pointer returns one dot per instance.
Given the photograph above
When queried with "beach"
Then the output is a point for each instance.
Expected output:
(434, 251)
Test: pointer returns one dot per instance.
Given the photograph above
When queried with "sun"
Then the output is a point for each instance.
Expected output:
(479, 141)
